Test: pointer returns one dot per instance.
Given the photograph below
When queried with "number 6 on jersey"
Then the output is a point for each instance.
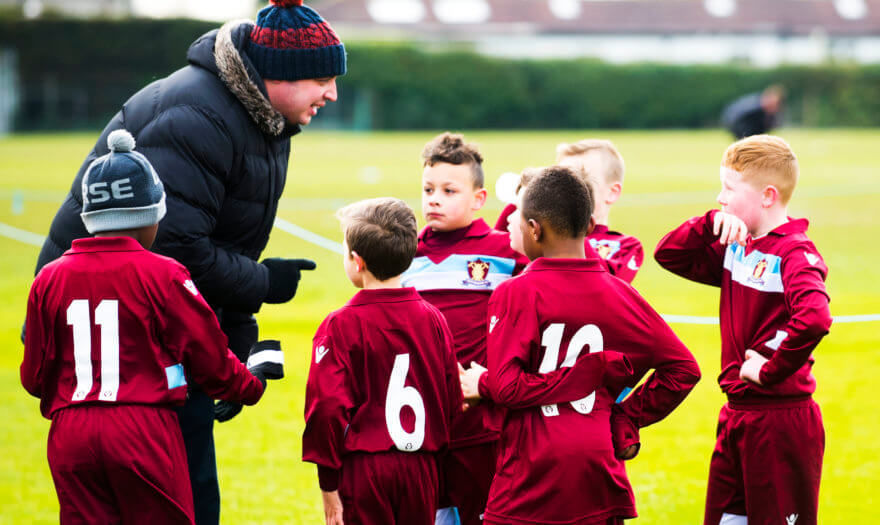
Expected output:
(400, 396)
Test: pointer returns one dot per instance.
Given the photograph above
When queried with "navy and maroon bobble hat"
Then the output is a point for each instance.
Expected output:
(292, 42)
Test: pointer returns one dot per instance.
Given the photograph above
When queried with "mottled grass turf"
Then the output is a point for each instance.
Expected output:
(671, 175)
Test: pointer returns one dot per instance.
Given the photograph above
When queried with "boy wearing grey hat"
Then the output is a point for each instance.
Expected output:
(113, 332)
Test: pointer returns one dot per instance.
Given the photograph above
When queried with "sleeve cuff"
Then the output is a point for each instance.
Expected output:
(483, 386)
(328, 478)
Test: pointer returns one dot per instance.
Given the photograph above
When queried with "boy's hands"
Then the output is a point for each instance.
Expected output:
(470, 381)
(730, 229)
(332, 507)
(265, 361)
(751, 367)
(624, 435)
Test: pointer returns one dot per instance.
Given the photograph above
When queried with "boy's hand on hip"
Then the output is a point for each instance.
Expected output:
(751, 367)
(332, 508)
(729, 229)
(470, 380)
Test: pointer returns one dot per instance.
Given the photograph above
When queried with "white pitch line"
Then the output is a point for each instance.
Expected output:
(21, 235)
(34, 239)
(308, 236)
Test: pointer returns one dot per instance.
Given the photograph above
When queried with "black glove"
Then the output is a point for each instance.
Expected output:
(265, 361)
(226, 410)
(284, 277)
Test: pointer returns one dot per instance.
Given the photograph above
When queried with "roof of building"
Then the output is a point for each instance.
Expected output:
(785, 17)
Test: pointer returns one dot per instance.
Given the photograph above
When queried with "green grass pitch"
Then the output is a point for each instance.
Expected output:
(671, 175)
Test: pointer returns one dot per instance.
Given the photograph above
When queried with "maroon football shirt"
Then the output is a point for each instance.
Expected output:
(110, 322)
(622, 255)
(773, 300)
(456, 272)
(557, 462)
(383, 377)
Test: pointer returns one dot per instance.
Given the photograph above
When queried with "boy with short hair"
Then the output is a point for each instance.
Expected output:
(602, 165)
(767, 461)
(459, 262)
(383, 386)
(113, 332)
(559, 462)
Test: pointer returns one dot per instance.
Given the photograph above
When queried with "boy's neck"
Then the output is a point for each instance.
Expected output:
(773, 218)
(568, 248)
(603, 219)
(372, 283)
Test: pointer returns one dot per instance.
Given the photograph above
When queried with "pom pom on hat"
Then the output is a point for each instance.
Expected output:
(285, 3)
(120, 141)
(121, 190)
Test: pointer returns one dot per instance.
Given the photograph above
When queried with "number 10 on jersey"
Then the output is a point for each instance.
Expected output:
(551, 339)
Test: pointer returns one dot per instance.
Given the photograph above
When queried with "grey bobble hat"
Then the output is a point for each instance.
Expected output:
(121, 190)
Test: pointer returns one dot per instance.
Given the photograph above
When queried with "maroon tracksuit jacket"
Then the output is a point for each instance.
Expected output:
(383, 378)
(111, 329)
(773, 300)
(557, 461)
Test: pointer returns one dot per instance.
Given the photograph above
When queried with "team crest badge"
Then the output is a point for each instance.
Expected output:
(604, 251)
(758, 272)
(478, 270)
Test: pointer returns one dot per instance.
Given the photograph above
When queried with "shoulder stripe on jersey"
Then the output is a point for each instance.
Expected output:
(757, 270)
(613, 246)
(459, 272)
(175, 376)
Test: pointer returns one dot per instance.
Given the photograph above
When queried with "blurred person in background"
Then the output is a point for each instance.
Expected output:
(755, 113)
(218, 133)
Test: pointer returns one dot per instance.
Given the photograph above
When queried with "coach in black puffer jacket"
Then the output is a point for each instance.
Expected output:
(218, 135)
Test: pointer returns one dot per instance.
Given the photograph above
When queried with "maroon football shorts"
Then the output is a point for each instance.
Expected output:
(119, 463)
(388, 488)
(467, 476)
(767, 463)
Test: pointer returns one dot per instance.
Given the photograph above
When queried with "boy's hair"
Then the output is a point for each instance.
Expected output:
(612, 160)
(383, 232)
(763, 160)
(526, 177)
(559, 198)
(451, 149)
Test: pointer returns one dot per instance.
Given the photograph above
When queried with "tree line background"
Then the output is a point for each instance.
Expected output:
(75, 74)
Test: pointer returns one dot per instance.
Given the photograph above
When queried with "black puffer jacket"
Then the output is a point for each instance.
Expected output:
(746, 116)
(221, 151)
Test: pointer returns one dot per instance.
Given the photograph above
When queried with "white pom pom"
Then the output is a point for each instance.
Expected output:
(120, 141)
(505, 188)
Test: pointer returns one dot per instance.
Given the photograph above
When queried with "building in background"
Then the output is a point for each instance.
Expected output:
(759, 32)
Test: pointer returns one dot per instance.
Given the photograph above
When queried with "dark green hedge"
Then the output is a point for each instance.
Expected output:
(76, 73)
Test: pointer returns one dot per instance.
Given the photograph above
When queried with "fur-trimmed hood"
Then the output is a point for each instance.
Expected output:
(223, 52)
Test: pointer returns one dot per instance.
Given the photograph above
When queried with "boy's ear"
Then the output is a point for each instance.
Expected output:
(769, 196)
(480, 197)
(592, 225)
(615, 189)
(535, 230)
(358, 261)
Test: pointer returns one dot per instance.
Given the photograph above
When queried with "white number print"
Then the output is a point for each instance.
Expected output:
(107, 317)
(400, 396)
(551, 339)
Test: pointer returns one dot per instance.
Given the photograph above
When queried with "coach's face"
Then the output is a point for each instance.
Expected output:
(300, 100)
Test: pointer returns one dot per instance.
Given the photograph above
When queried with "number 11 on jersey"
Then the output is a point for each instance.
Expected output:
(107, 317)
